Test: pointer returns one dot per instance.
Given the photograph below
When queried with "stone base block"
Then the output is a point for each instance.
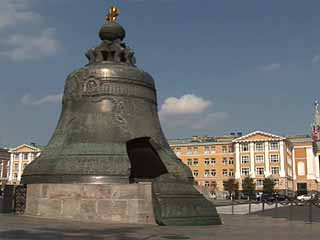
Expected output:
(121, 203)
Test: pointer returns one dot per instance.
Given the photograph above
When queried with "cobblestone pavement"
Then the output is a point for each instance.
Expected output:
(240, 227)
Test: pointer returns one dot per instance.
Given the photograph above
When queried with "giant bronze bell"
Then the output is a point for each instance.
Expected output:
(109, 137)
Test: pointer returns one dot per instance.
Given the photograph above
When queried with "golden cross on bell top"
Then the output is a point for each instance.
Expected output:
(113, 14)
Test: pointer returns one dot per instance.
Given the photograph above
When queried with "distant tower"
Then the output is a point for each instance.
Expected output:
(316, 122)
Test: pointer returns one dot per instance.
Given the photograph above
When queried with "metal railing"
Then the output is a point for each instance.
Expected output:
(291, 203)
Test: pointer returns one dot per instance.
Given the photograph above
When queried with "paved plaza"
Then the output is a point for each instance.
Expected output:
(235, 227)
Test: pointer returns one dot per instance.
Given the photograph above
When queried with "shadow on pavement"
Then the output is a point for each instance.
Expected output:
(296, 213)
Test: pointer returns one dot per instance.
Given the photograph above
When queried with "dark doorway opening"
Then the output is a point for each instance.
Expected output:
(145, 162)
(302, 188)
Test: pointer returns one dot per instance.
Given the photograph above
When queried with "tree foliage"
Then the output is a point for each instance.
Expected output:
(268, 186)
(249, 187)
(231, 186)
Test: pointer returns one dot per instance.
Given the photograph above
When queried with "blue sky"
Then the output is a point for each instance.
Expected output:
(219, 66)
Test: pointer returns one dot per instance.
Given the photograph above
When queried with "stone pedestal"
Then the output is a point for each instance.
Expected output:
(122, 203)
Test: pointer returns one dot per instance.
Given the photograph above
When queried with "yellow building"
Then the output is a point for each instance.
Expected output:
(20, 157)
(291, 162)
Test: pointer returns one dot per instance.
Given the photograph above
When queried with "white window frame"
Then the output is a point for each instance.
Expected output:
(274, 160)
(259, 160)
(245, 171)
(260, 171)
(213, 172)
(260, 148)
(274, 146)
(273, 172)
(225, 172)
(206, 161)
(206, 173)
(244, 147)
(245, 161)
(213, 161)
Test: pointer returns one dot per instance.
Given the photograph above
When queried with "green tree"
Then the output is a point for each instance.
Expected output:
(268, 186)
(231, 186)
(249, 187)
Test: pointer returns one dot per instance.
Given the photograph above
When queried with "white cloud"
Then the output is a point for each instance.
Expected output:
(189, 112)
(270, 67)
(50, 99)
(186, 104)
(315, 59)
(13, 12)
(25, 47)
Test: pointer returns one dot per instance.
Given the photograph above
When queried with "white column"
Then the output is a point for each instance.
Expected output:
(11, 166)
(238, 170)
(20, 166)
(282, 165)
(316, 170)
(294, 164)
(266, 159)
(252, 165)
(310, 163)
(1, 169)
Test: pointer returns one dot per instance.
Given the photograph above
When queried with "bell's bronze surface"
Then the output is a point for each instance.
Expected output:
(109, 133)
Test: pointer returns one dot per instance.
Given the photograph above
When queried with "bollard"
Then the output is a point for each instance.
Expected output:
(262, 207)
(309, 212)
(249, 207)
(290, 210)
(276, 208)
(232, 207)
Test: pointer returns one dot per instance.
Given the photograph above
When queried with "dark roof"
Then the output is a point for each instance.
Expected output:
(4, 154)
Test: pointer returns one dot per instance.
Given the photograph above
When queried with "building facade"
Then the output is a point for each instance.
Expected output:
(292, 162)
(20, 157)
(4, 165)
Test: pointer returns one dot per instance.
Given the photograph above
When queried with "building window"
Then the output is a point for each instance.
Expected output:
(213, 161)
(231, 162)
(274, 170)
(24, 165)
(16, 166)
(15, 176)
(274, 145)
(189, 162)
(206, 161)
(206, 184)
(213, 149)
(195, 173)
(177, 151)
(16, 156)
(230, 149)
(260, 171)
(224, 161)
(195, 162)
(244, 147)
(259, 158)
(25, 156)
(225, 172)
(259, 183)
(231, 173)
(259, 147)
(224, 149)
(276, 182)
(206, 172)
(189, 151)
(213, 184)
(274, 158)
(195, 150)
(206, 150)
(245, 171)
(244, 159)
(301, 170)
(213, 173)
